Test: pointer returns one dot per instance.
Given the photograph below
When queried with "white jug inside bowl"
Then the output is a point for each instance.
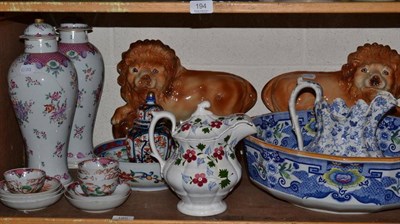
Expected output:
(341, 130)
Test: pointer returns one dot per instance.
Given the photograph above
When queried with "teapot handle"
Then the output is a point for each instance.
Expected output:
(301, 84)
(157, 115)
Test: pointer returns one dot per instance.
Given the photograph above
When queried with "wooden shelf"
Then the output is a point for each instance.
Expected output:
(183, 7)
(247, 204)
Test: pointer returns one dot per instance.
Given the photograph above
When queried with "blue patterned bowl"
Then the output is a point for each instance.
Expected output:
(323, 182)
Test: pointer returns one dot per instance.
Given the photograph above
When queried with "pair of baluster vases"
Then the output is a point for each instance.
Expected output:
(55, 88)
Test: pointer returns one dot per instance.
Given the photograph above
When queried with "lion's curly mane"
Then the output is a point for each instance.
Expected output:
(145, 51)
(372, 53)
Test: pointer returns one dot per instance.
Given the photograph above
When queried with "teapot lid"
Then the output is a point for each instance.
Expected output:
(39, 30)
(204, 125)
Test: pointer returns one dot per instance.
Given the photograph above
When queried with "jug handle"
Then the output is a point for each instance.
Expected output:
(157, 115)
(301, 84)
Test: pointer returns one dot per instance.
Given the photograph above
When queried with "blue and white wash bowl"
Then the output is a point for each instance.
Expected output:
(322, 182)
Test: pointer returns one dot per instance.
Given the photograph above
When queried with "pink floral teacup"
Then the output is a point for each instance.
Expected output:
(98, 187)
(24, 180)
(98, 169)
(98, 176)
(98, 166)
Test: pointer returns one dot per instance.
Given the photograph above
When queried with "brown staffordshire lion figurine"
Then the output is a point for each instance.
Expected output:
(150, 65)
(373, 67)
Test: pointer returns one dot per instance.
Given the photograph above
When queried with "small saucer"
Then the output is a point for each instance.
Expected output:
(50, 187)
(33, 204)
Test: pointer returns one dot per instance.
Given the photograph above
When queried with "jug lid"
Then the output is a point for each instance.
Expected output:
(39, 30)
(204, 125)
(74, 27)
(144, 111)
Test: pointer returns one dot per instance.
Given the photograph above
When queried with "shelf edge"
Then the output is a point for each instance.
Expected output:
(183, 7)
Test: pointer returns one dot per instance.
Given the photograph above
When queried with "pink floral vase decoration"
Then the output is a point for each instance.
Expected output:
(43, 89)
(89, 66)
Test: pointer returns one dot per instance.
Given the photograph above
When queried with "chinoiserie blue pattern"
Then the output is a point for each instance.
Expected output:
(323, 182)
(350, 131)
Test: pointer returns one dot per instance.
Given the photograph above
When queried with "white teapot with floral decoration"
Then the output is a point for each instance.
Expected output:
(203, 167)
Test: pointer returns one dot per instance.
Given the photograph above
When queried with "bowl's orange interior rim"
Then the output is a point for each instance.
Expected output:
(322, 156)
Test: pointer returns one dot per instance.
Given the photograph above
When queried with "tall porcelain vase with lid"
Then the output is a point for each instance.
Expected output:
(43, 89)
(90, 70)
